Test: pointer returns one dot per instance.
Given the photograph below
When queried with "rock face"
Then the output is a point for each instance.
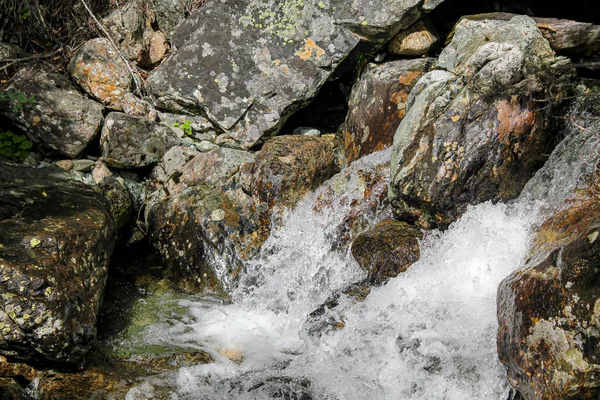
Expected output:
(132, 142)
(475, 130)
(248, 65)
(377, 105)
(101, 72)
(59, 118)
(56, 239)
(387, 249)
(549, 311)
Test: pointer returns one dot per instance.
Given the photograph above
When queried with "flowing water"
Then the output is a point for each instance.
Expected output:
(430, 333)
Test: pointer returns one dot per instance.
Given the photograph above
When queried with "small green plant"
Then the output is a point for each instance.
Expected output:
(16, 99)
(185, 127)
(14, 147)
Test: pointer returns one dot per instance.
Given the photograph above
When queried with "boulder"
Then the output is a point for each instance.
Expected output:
(133, 142)
(248, 65)
(480, 127)
(58, 118)
(563, 35)
(131, 27)
(101, 72)
(56, 239)
(377, 104)
(416, 40)
(549, 311)
(387, 249)
(170, 13)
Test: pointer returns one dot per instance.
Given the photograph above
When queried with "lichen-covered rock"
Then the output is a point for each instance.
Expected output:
(56, 239)
(248, 65)
(416, 40)
(378, 103)
(563, 35)
(131, 27)
(58, 118)
(549, 311)
(387, 249)
(101, 72)
(120, 202)
(169, 14)
(133, 142)
(475, 130)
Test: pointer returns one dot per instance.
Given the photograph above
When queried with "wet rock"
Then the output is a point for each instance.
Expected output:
(58, 118)
(101, 72)
(387, 249)
(549, 311)
(131, 27)
(247, 66)
(378, 103)
(132, 142)
(56, 238)
(118, 197)
(11, 390)
(563, 35)
(287, 167)
(416, 40)
(133, 105)
(475, 131)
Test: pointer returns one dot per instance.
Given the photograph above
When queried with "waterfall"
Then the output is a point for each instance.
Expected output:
(429, 333)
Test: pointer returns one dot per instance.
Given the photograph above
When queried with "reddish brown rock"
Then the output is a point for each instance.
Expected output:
(378, 104)
(101, 72)
(549, 311)
(387, 249)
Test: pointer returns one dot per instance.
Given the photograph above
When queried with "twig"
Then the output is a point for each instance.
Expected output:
(13, 61)
(133, 75)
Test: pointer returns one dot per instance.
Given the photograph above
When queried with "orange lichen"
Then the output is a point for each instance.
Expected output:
(512, 119)
(407, 78)
(310, 49)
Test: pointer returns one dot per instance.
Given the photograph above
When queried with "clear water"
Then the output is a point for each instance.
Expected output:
(430, 333)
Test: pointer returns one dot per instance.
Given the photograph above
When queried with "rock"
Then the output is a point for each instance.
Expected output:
(172, 162)
(205, 146)
(67, 165)
(131, 27)
(248, 65)
(132, 142)
(196, 126)
(549, 311)
(101, 72)
(83, 165)
(200, 219)
(416, 40)
(377, 104)
(11, 390)
(475, 131)
(57, 237)
(387, 249)
(58, 118)
(307, 131)
(118, 197)
(563, 35)
(100, 172)
(133, 105)
(169, 14)
(287, 167)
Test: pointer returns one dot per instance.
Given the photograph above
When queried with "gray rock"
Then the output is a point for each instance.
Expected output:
(475, 131)
(133, 105)
(56, 238)
(248, 65)
(307, 131)
(59, 118)
(132, 142)
(169, 14)
(83, 165)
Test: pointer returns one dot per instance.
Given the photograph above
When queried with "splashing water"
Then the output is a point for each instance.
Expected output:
(430, 333)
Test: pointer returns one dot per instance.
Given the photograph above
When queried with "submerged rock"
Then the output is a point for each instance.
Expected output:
(378, 104)
(58, 118)
(56, 239)
(248, 65)
(387, 249)
(101, 72)
(478, 129)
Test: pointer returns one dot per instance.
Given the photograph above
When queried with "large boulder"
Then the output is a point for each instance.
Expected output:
(377, 105)
(132, 142)
(56, 239)
(479, 128)
(101, 72)
(57, 118)
(248, 65)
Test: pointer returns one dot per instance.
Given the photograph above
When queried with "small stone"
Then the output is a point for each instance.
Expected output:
(205, 146)
(100, 172)
(83, 165)
(307, 131)
(67, 165)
